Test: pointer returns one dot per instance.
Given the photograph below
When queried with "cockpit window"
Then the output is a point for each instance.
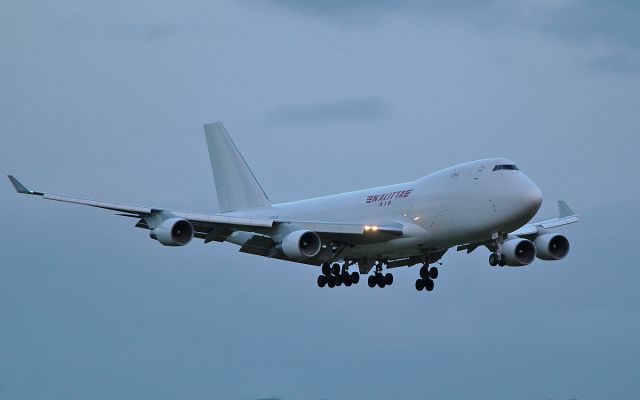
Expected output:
(505, 166)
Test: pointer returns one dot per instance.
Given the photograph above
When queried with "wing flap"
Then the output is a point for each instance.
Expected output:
(352, 233)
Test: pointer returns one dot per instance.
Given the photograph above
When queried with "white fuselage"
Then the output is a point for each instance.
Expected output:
(462, 204)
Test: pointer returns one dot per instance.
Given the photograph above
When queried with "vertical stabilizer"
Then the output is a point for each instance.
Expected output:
(236, 186)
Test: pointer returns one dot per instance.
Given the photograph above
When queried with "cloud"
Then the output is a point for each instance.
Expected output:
(146, 32)
(361, 12)
(269, 398)
(338, 110)
(574, 20)
(592, 20)
(616, 63)
(136, 32)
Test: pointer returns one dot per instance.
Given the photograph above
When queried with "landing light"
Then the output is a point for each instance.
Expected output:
(416, 218)
(368, 228)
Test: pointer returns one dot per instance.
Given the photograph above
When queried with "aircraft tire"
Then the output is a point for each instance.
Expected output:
(424, 271)
(502, 260)
(331, 281)
(371, 281)
(433, 272)
(326, 269)
(355, 277)
(428, 284)
(388, 279)
(419, 285)
(322, 281)
(493, 259)
(335, 269)
(338, 279)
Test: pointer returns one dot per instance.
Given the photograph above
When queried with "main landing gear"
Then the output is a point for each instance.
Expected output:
(379, 279)
(333, 275)
(427, 276)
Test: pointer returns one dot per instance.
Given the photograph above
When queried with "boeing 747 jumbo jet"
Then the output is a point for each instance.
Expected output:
(486, 203)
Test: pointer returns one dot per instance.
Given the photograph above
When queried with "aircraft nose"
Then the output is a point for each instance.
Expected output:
(532, 197)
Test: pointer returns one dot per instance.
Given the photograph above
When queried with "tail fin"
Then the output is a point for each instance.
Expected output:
(236, 186)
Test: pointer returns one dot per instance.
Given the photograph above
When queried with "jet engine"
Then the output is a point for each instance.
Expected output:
(518, 252)
(173, 232)
(552, 246)
(301, 244)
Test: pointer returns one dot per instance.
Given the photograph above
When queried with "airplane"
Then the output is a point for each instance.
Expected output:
(484, 203)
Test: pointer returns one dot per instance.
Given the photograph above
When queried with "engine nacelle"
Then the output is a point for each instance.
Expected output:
(552, 246)
(518, 252)
(301, 244)
(173, 232)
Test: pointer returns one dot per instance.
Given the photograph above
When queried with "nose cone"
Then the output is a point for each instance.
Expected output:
(531, 198)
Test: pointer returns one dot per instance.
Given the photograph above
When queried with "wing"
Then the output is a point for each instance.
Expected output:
(198, 220)
(565, 216)
(219, 227)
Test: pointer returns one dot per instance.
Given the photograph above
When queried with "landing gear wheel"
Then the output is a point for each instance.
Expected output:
(428, 284)
(346, 278)
(355, 277)
(322, 280)
(338, 280)
(371, 281)
(326, 269)
(424, 272)
(493, 259)
(388, 279)
(502, 260)
(335, 269)
(419, 285)
(433, 272)
(331, 281)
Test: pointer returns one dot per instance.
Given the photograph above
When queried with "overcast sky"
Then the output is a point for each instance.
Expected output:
(107, 100)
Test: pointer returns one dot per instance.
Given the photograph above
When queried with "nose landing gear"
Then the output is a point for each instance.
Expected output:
(497, 259)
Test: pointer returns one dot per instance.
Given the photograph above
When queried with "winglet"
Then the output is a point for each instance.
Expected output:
(20, 187)
(564, 209)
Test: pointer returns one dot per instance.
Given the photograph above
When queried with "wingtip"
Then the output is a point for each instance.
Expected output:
(20, 188)
(564, 209)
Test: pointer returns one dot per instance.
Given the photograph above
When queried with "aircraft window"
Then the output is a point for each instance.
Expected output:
(505, 166)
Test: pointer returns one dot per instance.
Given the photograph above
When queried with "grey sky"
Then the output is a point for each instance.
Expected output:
(106, 100)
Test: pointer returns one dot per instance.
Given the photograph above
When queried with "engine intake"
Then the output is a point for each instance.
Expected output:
(173, 232)
(519, 252)
(301, 244)
(552, 247)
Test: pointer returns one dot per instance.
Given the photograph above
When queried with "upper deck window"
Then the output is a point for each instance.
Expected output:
(505, 166)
